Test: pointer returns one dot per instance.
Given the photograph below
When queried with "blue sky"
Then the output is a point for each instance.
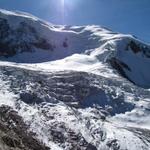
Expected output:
(126, 16)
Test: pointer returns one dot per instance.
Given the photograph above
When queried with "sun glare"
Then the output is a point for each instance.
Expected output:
(66, 7)
(63, 10)
(62, 2)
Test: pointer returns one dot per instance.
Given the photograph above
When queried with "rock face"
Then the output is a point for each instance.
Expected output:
(24, 38)
(89, 98)
(14, 134)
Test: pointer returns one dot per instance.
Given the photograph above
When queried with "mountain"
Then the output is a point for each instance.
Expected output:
(71, 87)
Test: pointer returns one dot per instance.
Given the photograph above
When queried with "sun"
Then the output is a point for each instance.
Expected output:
(63, 2)
(66, 6)
(69, 3)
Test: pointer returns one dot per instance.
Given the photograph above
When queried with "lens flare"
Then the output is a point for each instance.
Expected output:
(62, 2)
(67, 6)
(63, 11)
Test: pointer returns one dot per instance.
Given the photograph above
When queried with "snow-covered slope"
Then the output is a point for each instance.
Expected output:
(72, 87)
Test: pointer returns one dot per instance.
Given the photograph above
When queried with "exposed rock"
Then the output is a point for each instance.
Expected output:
(24, 38)
(120, 66)
(134, 47)
(14, 132)
(113, 144)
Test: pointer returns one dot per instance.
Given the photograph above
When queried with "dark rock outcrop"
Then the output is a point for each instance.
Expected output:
(14, 132)
(24, 38)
